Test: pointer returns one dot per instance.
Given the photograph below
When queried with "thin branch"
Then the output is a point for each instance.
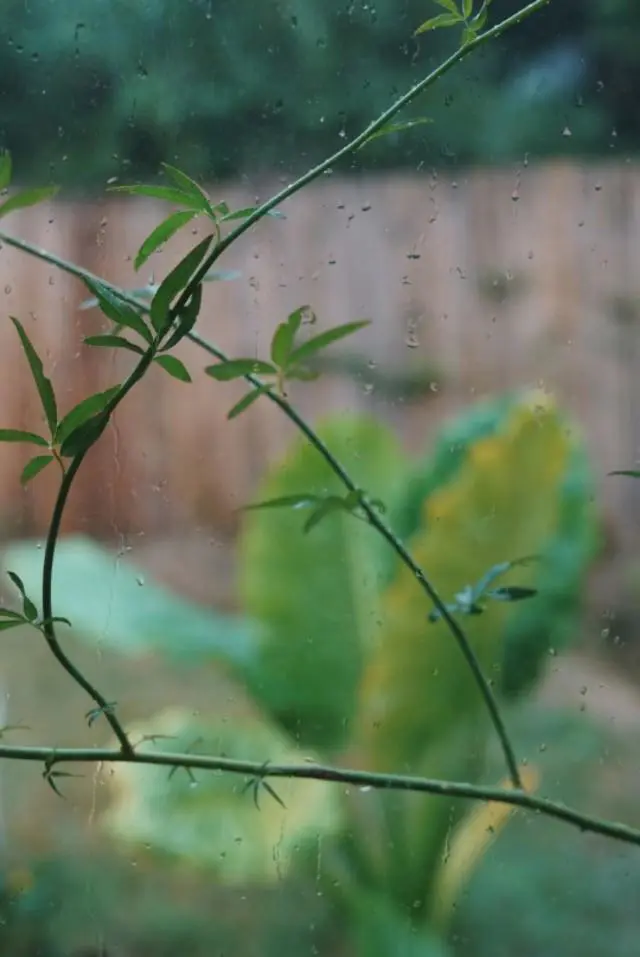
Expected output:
(48, 629)
(372, 515)
(52, 757)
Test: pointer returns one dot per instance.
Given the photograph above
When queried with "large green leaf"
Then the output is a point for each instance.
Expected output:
(317, 594)
(379, 930)
(504, 501)
(108, 599)
(211, 819)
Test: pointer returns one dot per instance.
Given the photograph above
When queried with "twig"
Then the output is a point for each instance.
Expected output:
(51, 757)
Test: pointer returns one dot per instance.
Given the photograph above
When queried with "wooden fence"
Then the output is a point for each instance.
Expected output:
(494, 279)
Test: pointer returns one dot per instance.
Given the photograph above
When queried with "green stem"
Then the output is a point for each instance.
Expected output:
(372, 515)
(52, 757)
(48, 628)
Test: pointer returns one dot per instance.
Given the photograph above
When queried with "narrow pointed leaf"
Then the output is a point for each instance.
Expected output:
(9, 613)
(118, 311)
(43, 384)
(6, 625)
(84, 411)
(399, 127)
(175, 283)
(189, 186)
(467, 8)
(171, 225)
(632, 473)
(285, 501)
(169, 194)
(84, 436)
(247, 401)
(442, 20)
(113, 342)
(174, 367)
(327, 507)
(34, 467)
(282, 343)
(222, 275)
(29, 197)
(300, 315)
(237, 368)
(5, 169)
(17, 435)
(29, 610)
(248, 211)
(449, 5)
(326, 339)
(187, 318)
(302, 374)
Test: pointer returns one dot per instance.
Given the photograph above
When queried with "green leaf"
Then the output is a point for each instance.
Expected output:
(300, 315)
(175, 283)
(114, 604)
(285, 501)
(5, 169)
(467, 8)
(6, 625)
(282, 343)
(118, 311)
(326, 339)
(174, 367)
(331, 504)
(442, 20)
(302, 374)
(222, 275)
(632, 473)
(81, 413)
(113, 342)
(399, 127)
(468, 35)
(248, 211)
(247, 401)
(34, 467)
(161, 234)
(43, 384)
(237, 368)
(29, 197)
(16, 435)
(29, 610)
(214, 823)
(481, 17)
(169, 194)
(317, 595)
(187, 318)
(84, 436)
(449, 5)
(189, 186)
(9, 613)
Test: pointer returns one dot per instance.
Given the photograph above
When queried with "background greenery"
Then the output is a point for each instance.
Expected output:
(207, 84)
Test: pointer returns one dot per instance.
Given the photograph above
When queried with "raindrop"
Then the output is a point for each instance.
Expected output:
(140, 580)
(7, 290)
(567, 132)
(366, 207)
(365, 788)
(433, 387)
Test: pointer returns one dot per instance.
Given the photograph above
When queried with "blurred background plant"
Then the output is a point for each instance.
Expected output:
(339, 662)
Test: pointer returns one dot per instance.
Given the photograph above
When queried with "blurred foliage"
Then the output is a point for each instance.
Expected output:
(343, 663)
(208, 85)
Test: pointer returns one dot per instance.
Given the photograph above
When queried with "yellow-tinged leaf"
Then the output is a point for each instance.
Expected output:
(470, 841)
(211, 819)
(502, 504)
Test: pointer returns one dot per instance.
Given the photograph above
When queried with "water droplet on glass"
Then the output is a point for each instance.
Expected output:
(567, 132)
